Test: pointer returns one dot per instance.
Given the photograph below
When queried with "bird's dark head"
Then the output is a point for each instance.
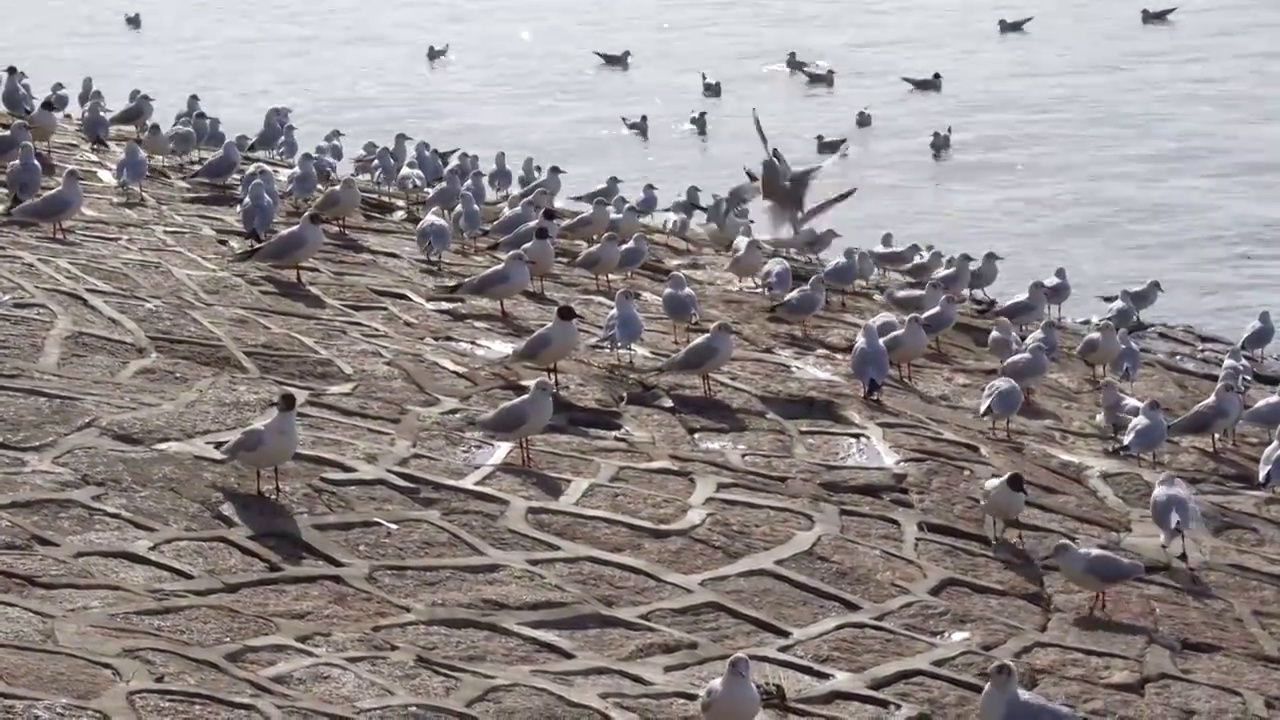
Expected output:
(937, 76)
(11, 70)
(548, 214)
(1016, 483)
(542, 233)
(567, 313)
(287, 402)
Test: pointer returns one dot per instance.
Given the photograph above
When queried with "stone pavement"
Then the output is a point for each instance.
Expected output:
(411, 570)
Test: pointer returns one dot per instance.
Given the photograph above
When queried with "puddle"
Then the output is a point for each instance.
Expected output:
(956, 636)
(866, 452)
(487, 349)
(712, 441)
(478, 454)
(809, 371)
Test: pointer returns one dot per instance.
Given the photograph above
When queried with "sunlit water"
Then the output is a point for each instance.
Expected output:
(1119, 151)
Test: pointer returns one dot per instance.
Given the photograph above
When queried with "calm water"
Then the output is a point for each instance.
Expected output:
(1119, 151)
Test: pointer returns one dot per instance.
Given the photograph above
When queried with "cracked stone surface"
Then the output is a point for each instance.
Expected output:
(411, 570)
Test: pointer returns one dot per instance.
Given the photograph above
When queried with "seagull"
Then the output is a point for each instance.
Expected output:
(607, 191)
(1057, 289)
(1027, 368)
(434, 53)
(1174, 510)
(290, 247)
(632, 254)
(933, 83)
(220, 166)
(1267, 463)
(747, 261)
(134, 21)
(906, 345)
(619, 60)
(679, 304)
(1118, 409)
(500, 282)
(1002, 699)
(826, 77)
(549, 345)
(500, 176)
(1258, 335)
(1003, 499)
(703, 356)
(23, 175)
(269, 444)
(1127, 363)
(1001, 400)
(829, 146)
(257, 212)
(337, 203)
(1095, 569)
(794, 64)
(698, 120)
(639, 127)
(1146, 433)
(1150, 17)
(521, 418)
(137, 113)
(1099, 348)
(55, 207)
(710, 88)
(732, 696)
(869, 362)
(1003, 341)
(600, 259)
(623, 327)
(433, 235)
(862, 119)
(1213, 416)
(803, 303)
(1010, 26)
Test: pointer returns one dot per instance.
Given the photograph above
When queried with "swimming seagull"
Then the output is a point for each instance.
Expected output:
(679, 304)
(1146, 433)
(500, 282)
(862, 119)
(220, 166)
(623, 327)
(1002, 699)
(733, 695)
(1003, 499)
(434, 53)
(55, 207)
(290, 247)
(826, 77)
(1212, 416)
(23, 175)
(1174, 510)
(269, 444)
(1001, 400)
(933, 83)
(710, 88)
(707, 354)
(1095, 570)
(521, 418)
(1258, 335)
(829, 146)
(869, 362)
(134, 21)
(131, 170)
(940, 142)
(1156, 16)
(1010, 26)
(549, 345)
(619, 60)
(795, 64)
(698, 119)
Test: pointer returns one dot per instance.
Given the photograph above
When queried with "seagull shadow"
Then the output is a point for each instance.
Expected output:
(265, 516)
(550, 486)
(224, 200)
(1102, 623)
(348, 243)
(1036, 412)
(707, 408)
(289, 289)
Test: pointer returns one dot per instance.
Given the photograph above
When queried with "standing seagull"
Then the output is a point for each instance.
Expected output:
(337, 203)
(1095, 570)
(1213, 416)
(1003, 499)
(521, 418)
(131, 170)
(56, 206)
(679, 304)
(550, 345)
(500, 282)
(623, 326)
(1174, 510)
(1258, 335)
(1001, 400)
(732, 696)
(1146, 433)
(220, 166)
(269, 444)
(289, 248)
(22, 176)
(137, 113)
(869, 362)
(703, 356)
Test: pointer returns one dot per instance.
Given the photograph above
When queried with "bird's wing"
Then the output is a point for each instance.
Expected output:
(764, 140)
(694, 357)
(533, 346)
(247, 441)
(486, 281)
(1109, 567)
(812, 213)
(1197, 420)
(505, 419)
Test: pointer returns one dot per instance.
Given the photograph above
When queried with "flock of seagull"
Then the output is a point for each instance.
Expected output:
(450, 190)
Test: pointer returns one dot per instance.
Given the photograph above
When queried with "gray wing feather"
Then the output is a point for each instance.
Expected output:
(127, 116)
(248, 440)
(1015, 308)
(1198, 420)
(328, 201)
(1109, 567)
(505, 419)
(1088, 346)
(50, 205)
(534, 346)
(281, 247)
(485, 281)
(218, 166)
(695, 356)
